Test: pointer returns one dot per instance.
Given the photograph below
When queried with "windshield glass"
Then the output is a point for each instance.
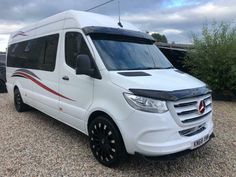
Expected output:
(124, 53)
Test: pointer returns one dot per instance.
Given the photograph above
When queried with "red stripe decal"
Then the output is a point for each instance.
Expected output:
(42, 85)
(20, 33)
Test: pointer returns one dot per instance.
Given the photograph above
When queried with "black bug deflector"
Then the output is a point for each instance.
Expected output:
(100, 31)
(171, 95)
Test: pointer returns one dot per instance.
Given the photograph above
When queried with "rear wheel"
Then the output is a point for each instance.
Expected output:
(106, 142)
(19, 104)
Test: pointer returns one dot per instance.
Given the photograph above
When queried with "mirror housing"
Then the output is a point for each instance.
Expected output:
(85, 66)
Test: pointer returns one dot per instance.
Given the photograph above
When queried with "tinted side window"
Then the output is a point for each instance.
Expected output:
(49, 52)
(74, 45)
(37, 53)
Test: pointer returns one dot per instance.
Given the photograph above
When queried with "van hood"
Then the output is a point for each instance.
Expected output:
(160, 79)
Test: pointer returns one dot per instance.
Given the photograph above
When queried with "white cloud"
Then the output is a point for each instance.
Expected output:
(211, 9)
(214, 11)
(5, 30)
(179, 22)
(3, 42)
(9, 28)
(174, 18)
(171, 31)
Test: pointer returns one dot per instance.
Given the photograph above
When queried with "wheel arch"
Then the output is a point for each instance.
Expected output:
(15, 87)
(97, 113)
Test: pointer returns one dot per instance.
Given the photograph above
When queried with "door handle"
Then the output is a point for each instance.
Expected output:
(66, 78)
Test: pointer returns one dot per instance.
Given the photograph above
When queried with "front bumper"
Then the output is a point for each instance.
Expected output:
(174, 155)
(157, 135)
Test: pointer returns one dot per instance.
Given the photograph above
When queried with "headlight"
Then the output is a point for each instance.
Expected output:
(146, 104)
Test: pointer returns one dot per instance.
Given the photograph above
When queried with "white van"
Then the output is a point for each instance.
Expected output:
(109, 82)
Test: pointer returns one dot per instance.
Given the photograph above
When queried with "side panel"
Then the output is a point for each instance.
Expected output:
(79, 90)
(35, 91)
(43, 91)
(39, 87)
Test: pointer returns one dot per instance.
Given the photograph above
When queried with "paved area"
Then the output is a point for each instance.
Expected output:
(33, 144)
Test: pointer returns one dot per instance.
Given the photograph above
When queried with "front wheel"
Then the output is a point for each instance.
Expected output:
(106, 142)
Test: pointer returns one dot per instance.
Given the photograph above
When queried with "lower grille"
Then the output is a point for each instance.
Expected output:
(193, 131)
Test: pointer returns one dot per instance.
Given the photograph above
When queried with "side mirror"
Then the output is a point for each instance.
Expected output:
(84, 65)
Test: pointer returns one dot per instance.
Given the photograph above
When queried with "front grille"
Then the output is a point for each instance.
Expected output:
(186, 110)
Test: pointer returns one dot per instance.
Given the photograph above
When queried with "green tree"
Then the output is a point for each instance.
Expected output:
(213, 58)
(159, 38)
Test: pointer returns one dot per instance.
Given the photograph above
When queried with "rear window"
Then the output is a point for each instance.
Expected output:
(39, 53)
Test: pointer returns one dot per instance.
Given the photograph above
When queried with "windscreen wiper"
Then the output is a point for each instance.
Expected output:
(170, 67)
(149, 68)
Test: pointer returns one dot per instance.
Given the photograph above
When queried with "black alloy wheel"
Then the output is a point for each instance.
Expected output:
(106, 142)
(19, 104)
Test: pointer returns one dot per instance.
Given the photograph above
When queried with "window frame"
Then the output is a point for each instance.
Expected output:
(85, 41)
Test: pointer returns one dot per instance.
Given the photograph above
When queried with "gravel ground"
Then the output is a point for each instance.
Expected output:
(33, 144)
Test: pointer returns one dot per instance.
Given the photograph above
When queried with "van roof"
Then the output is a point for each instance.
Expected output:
(68, 19)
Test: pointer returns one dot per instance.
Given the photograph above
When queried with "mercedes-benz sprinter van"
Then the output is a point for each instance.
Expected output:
(111, 83)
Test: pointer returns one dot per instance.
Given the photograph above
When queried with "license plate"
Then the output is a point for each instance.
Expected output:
(201, 141)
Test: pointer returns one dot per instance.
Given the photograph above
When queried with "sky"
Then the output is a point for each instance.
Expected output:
(177, 19)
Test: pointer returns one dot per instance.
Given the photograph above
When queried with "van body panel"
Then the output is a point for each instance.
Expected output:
(161, 79)
(64, 20)
(117, 109)
(79, 88)
(70, 23)
(155, 135)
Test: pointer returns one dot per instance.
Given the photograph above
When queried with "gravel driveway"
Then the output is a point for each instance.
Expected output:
(33, 144)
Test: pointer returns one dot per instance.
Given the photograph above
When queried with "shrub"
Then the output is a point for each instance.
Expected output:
(213, 58)
(159, 38)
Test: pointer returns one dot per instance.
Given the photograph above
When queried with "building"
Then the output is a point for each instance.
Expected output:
(176, 53)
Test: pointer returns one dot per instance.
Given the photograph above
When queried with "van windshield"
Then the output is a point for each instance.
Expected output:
(124, 53)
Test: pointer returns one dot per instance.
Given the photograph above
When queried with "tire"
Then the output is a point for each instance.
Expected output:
(2, 86)
(106, 142)
(19, 104)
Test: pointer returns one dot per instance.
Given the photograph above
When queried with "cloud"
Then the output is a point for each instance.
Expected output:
(3, 41)
(171, 31)
(184, 19)
(180, 3)
(7, 28)
(175, 18)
